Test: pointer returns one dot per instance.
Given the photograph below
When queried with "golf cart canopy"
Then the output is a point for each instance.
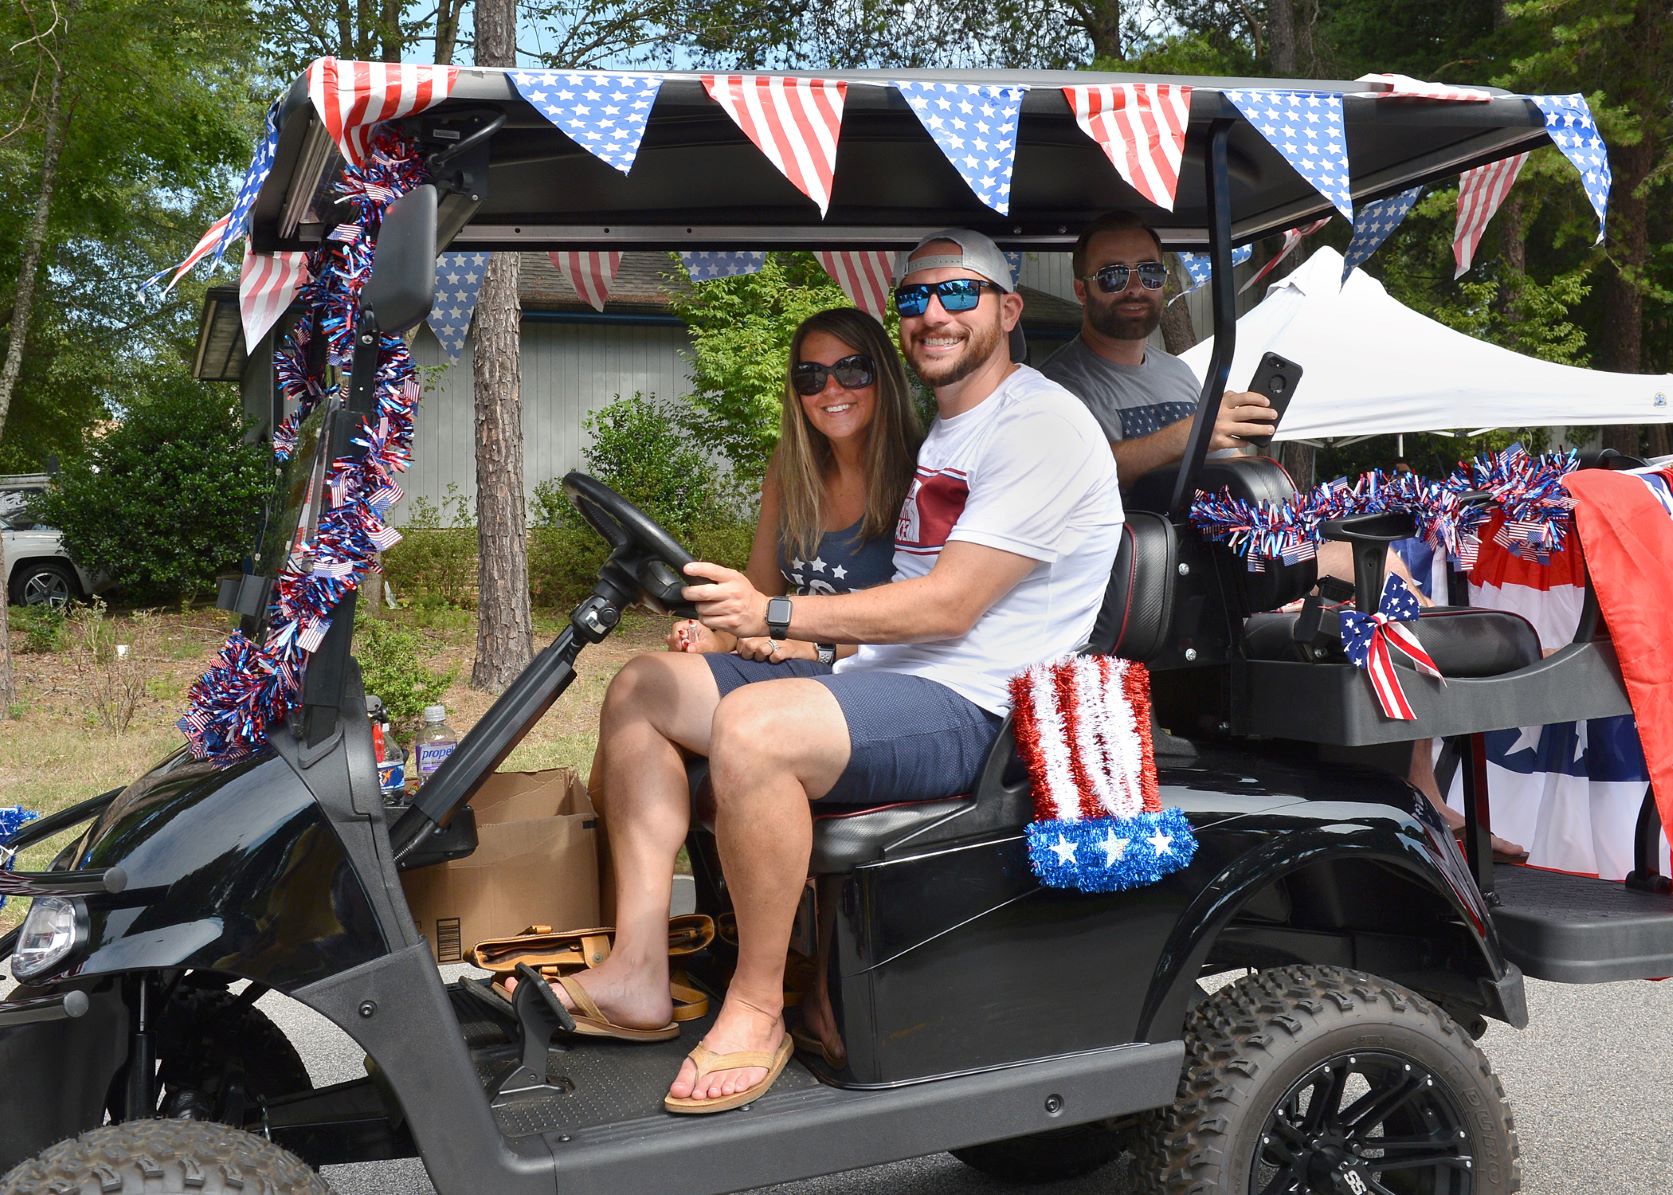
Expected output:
(698, 181)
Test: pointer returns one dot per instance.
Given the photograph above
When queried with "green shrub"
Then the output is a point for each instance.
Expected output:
(43, 627)
(436, 559)
(391, 668)
(563, 563)
(648, 451)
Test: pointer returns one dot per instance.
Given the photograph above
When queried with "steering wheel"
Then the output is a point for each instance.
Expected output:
(655, 558)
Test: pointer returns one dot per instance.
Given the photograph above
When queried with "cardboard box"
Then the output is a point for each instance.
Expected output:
(536, 863)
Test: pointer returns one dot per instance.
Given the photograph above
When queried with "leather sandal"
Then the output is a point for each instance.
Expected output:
(707, 1062)
(1504, 851)
(590, 1021)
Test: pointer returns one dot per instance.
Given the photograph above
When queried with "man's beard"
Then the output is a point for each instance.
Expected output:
(1110, 322)
(979, 345)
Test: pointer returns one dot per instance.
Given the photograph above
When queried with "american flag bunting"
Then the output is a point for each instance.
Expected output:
(1306, 128)
(1199, 267)
(866, 276)
(353, 98)
(590, 273)
(1568, 120)
(1404, 87)
(705, 265)
(1141, 129)
(206, 244)
(1292, 238)
(266, 285)
(458, 282)
(795, 122)
(1373, 222)
(604, 113)
(1480, 192)
(975, 125)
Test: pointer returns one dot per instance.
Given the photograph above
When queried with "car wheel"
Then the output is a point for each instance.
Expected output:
(1326, 1079)
(1050, 1156)
(163, 1157)
(44, 583)
(222, 1059)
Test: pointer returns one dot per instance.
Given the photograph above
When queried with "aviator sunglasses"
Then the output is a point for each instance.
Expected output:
(851, 373)
(1112, 279)
(956, 294)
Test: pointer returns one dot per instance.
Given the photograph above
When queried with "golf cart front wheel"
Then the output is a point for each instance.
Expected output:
(1330, 1080)
(163, 1157)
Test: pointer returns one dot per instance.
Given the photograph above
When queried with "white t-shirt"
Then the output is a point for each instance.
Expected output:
(1028, 471)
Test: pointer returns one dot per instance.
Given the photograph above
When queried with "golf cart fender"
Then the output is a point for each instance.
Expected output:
(1332, 833)
(58, 1071)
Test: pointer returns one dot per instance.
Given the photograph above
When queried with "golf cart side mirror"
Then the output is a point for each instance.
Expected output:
(403, 281)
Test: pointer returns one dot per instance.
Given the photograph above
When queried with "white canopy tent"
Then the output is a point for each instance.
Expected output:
(1372, 366)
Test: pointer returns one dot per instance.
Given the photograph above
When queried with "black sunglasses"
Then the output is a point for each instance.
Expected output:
(852, 372)
(1112, 279)
(956, 294)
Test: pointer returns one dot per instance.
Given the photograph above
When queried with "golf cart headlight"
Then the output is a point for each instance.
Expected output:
(55, 927)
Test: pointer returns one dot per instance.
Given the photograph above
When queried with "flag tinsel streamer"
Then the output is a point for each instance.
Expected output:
(1538, 512)
(1082, 728)
(12, 819)
(252, 687)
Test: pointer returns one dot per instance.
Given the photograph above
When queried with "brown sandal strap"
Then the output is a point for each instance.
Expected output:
(708, 1062)
(583, 1003)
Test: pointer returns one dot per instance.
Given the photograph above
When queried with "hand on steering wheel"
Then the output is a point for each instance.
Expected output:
(725, 599)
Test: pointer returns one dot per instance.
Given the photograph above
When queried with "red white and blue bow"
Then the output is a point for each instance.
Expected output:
(1370, 641)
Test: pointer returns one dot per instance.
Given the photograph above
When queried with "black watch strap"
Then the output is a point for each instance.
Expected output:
(778, 617)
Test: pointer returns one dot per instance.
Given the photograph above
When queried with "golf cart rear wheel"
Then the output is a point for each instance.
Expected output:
(1048, 1157)
(163, 1157)
(221, 1059)
(1325, 1079)
(44, 583)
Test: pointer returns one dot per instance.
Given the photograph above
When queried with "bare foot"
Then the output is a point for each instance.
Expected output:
(630, 998)
(739, 1027)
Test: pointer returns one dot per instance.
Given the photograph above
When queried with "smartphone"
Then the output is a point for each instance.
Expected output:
(1277, 379)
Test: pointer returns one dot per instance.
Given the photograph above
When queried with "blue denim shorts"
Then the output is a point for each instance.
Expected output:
(910, 739)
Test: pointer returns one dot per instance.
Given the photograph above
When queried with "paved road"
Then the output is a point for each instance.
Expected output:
(1587, 1083)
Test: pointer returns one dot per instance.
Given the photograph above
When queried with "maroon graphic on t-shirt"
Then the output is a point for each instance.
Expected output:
(932, 506)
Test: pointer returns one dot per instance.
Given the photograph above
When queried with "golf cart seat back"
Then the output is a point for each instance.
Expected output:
(1462, 641)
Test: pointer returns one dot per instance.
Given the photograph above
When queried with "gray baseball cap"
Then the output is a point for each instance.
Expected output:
(976, 252)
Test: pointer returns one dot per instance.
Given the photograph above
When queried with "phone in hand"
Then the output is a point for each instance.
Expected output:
(1276, 378)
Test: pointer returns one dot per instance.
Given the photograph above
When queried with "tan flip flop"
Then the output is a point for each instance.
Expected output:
(708, 1062)
(590, 1021)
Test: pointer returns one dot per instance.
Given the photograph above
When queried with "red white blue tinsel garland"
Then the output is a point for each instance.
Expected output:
(254, 687)
(1538, 512)
(12, 819)
(1082, 728)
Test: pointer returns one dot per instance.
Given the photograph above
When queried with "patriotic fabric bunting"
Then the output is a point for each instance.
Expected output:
(458, 281)
(590, 273)
(206, 245)
(1141, 129)
(1373, 222)
(866, 276)
(1568, 120)
(353, 98)
(1306, 128)
(976, 127)
(1371, 641)
(1404, 87)
(1292, 238)
(795, 122)
(1480, 192)
(603, 113)
(708, 264)
(267, 283)
(1082, 727)
(1013, 258)
(1199, 267)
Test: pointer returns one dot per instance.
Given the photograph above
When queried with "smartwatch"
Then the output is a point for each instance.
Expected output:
(778, 617)
(825, 652)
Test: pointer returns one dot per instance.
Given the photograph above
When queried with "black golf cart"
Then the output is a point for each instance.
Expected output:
(1033, 1032)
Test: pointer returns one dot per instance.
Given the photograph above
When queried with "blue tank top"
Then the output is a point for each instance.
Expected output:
(842, 562)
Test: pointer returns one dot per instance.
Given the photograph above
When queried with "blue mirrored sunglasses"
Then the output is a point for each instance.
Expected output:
(956, 294)
(1112, 279)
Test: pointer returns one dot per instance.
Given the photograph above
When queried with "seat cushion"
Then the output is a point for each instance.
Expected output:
(1463, 642)
(845, 838)
(1137, 613)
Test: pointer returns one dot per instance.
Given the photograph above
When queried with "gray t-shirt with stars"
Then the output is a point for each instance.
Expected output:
(1128, 400)
(842, 563)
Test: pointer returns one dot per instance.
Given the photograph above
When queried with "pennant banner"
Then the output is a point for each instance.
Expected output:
(976, 127)
(1373, 222)
(266, 285)
(1292, 238)
(353, 98)
(1013, 258)
(1306, 128)
(1480, 192)
(1404, 87)
(795, 122)
(866, 276)
(458, 282)
(1568, 119)
(604, 113)
(1199, 267)
(708, 264)
(590, 273)
(1141, 129)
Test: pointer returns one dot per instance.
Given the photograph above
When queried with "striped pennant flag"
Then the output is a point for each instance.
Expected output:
(1141, 128)
(210, 239)
(1480, 192)
(266, 285)
(1292, 238)
(352, 98)
(590, 273)
(1404, 87)
(795, 122)
(865, 275)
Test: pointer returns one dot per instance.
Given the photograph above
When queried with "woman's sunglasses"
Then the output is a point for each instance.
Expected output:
(808, 377)
(1112, 280)
(956, 294)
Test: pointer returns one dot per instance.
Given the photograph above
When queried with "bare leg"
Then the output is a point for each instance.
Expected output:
(776, 745)
(1421, 776)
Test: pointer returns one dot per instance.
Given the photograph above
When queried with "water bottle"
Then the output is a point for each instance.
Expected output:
(435, 742)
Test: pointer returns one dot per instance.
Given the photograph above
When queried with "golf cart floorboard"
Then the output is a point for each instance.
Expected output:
(1573, 929)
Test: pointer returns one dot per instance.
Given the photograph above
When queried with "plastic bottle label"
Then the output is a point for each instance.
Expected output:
(430, 756)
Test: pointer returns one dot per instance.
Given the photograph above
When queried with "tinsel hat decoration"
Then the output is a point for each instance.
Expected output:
(1082, 726)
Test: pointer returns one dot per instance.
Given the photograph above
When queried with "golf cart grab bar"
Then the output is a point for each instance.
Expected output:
(109, 881)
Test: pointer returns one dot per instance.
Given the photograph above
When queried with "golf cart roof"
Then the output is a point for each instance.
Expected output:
(698, 182)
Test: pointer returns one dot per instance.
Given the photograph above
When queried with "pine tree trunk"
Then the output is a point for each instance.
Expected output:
(1102, 21)
(504, 630)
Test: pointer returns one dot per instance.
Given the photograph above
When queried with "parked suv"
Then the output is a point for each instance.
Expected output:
(39, 569)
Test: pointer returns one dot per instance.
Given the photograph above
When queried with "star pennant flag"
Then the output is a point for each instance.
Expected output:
(1404, 87)
(795, 122)
(1199, 267)
(1141, 128)
(604, 114)
(1306, 128)
(1292, 238)
(705, 265)
(1480, 192)
(1372, 224)
(1013, 258)
(266, 285)
(1568, 119)
(976, 127)
(590, 273)
(865, 276)
(353, 98)
(458, 282)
